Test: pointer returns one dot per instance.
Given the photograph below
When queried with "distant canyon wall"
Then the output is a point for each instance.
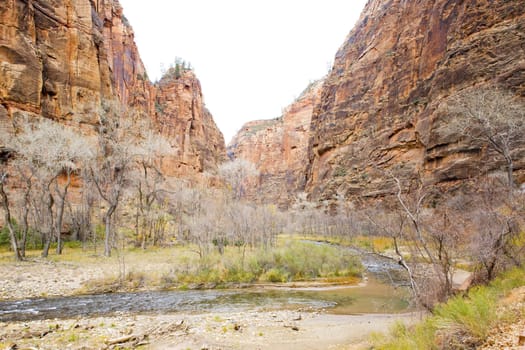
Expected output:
(279, 150)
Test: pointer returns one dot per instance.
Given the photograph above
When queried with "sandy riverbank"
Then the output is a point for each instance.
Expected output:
(245, 330)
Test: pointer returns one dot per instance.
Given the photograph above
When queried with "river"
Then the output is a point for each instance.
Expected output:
(382, 293)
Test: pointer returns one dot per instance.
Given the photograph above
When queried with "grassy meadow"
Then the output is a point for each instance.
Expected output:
(291, 260)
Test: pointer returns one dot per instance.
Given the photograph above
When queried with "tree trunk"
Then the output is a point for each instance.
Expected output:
(49, 231)
(137, 230)
(144, 236)
(60, 212)
(7, 218)
(47, 245)
(510, 170)
(25, 231)
(107, 248)
(138, 218)
(107, 222)
(25, 221)
(243, 255)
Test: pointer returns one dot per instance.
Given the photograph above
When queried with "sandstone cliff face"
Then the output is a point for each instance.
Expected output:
(380, 109)
(60, 59)
(278, 148)
(182, 118)
(55, 60)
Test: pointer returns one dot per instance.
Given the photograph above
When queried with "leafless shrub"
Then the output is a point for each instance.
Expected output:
(496, 224)
(492, 117)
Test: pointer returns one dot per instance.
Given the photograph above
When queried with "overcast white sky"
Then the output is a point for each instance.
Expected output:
(251, 57)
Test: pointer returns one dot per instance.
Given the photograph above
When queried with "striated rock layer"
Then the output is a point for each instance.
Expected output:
(278, 148)
(381, 107)
(60, 59)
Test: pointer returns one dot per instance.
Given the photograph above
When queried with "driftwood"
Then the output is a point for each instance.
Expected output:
(124, 339)
(142, 339)
(13, 346)
(36, 333)
(521, 339)
(292, 327)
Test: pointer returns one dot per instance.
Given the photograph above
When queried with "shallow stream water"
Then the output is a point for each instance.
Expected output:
(383, 293)
(375, 297)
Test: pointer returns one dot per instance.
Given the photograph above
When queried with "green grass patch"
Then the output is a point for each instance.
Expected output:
(462, 322)
(307, 260)
(403, 337)
(291, 261)
(472, 316)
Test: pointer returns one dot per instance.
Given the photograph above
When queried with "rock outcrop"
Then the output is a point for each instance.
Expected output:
(61, 59)
(381, 109)
(279, 149)
(181, 116)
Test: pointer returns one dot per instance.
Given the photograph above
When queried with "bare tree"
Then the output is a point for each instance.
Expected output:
(180, 201)
(22, 202)
(111, 168)
(47, 154)
(201, 221)
(344, 222)
(81, 215)
(237, 173)
(212, 218)
(129, 152)
(433, 236)
(24, 206)
(427, 235)
(496, 222)
(7, 215)
(269, 224)
(148, 221)
(70, 151)
(304, 213)
(393, 225)
(5, 154)
(494, 117)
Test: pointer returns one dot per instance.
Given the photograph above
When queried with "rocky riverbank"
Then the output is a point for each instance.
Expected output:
(246, 330)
